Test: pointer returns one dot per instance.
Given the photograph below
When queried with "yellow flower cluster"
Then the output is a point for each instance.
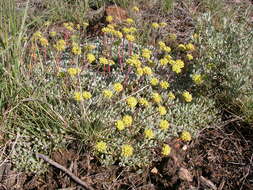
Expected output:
(69, 26)
(156, 97)
(136, 9)
(186, 136)
(101, 147)
(171, 96)
(146, 53)
(76, 49)
(43, 41)
(78, 96)
(147, 70)
(109, 19)
(164, 124)
(90, 57)
(129, 30)
(187, 96)
(155, 25)
(189, 56)
(131, 102)
(164, 47)
(181, 47)
(164, 61)
(197, 79)
(130, 38)
(90, 47)
(127, 120)
(144, 102)
(149, 134)
(60, 45)
(162, 110)
(126, 150)
(164, 84)
(103, 61)
(166, 150)
(108, 94)
(118, 87)
(87, 95)
(120, 125)
(190, 47)
(53, 34)
(154, 81)
(73, 71)
(129, 21)
(177, 66)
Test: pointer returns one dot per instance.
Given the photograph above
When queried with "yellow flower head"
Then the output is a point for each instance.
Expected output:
(176, 68)
(136, 9)
(117, 33)
(127, 150)
(73, 71)
(87, 95)
(166, 150)
(103, 61)
(163, 24)
(149, 134)
(164, 84)
(78, 96)
(120, 125)
(197, 79)
(139, 71)
(130, 37)
(53, 34)
(167, 49)
(168, 57)
(60, 45)
(90, 47)
(161, 44)
(76, 49)
(43, 41)
(107, 94)
(154, 81)
(90, 57)
(129, 21)
(190, 47)
(189, 57)
(162, 110)
(147, 70)
(164, 124)
(181, 47)
(171, 96)
(144, 102)
(85, 24)
(163, 61)
(69, 26)
(155, 25)
(128, 120)
(109, 19)
(118, 87)
(146, 53)
(101, 146)
(156, 97)
(37, 35)
(131, 102)
(187, 96)
(185, 136)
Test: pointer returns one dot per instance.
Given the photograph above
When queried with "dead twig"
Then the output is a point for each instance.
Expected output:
(55, 164)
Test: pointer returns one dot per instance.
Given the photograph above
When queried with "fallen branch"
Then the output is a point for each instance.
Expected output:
(55, 164)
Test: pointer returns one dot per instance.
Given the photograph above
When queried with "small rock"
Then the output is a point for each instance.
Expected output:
(185, 175)
(154, 171)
